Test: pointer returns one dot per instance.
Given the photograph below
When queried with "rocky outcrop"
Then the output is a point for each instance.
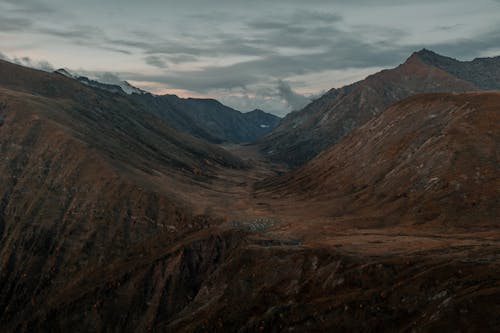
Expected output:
(225, 281)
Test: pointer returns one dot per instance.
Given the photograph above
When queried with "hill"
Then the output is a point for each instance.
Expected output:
(84, 176)
(431, 158)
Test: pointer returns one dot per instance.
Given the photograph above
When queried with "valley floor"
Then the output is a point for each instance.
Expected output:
(296, 268)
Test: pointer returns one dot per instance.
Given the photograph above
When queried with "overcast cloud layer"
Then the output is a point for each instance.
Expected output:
(274, 55)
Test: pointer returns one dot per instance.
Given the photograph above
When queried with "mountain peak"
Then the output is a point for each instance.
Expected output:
(432, 58)
(257, 111)
(427, 56)
(427, 52)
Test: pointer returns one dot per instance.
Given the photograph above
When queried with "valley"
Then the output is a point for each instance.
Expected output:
(112, 220)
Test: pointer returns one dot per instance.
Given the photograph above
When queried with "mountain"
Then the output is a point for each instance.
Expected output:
(375, 247)
(484, 73)
(302, 135)
(209, 119)
(206, 119)
(429, 159)
(112, 221)
(119, 87)
(86, 175)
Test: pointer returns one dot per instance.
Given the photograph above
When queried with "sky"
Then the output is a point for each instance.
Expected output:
(273, 55)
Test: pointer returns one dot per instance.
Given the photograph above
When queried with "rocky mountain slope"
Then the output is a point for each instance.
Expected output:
(484, 73)
(428, 159)
(302, 135)
(393, 229)
(85, 175)
(393, 254)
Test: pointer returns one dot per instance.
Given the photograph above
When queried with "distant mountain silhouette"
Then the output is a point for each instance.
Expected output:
(207, 119)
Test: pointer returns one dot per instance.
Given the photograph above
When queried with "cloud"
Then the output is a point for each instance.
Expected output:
(28, 62)
(77, 32)
(85, 35)
(245, 102)
(108, 77)
(156, 61)
(28, 7)
(293, 99)
(469, 47)
(45, 66)
(273, 47)
(239, 49)
(14, 24)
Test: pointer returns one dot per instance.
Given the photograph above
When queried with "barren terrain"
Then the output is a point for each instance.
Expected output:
(112, 221)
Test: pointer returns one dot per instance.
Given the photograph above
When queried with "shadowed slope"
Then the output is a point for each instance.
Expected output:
(79, 181)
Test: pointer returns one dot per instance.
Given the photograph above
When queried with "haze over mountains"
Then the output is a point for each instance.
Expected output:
(123, 211)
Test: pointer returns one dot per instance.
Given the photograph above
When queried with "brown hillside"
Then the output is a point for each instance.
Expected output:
(430, 158)
(82, 179)
(302, 135)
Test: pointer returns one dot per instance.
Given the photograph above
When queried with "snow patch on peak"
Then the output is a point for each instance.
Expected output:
(105, 81)
(130, 89)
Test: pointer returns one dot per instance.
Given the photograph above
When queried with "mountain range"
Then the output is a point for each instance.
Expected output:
(207, 119)
(302, 135)
(122, 211)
